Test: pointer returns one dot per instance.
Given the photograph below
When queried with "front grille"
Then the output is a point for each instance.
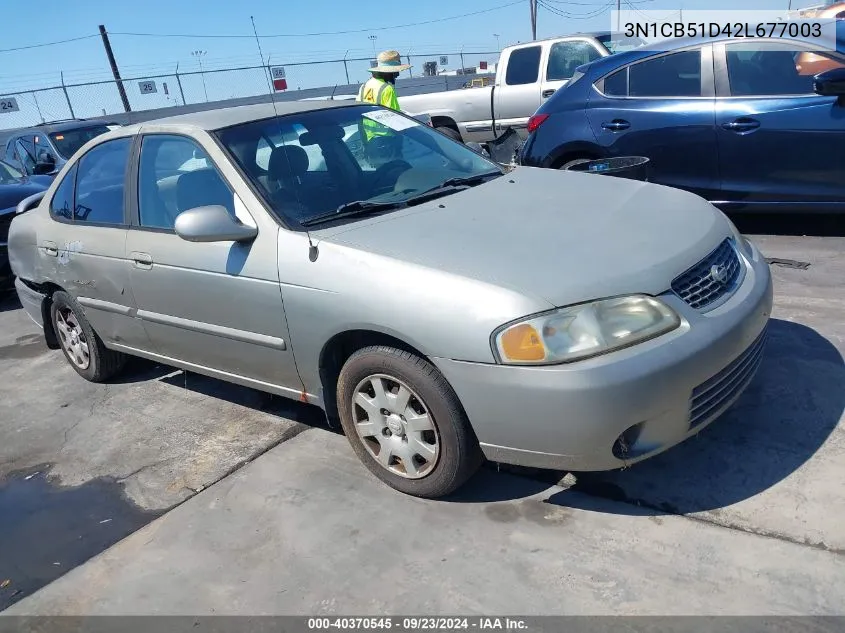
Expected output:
(710, 396)
(711, 280)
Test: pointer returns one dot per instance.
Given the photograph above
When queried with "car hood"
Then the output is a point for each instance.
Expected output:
(562, 237)
(11, 194)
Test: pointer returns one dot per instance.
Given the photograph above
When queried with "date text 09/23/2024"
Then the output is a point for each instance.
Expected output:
(417, 624)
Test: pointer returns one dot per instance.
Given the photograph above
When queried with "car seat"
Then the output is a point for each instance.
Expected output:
(203, 187)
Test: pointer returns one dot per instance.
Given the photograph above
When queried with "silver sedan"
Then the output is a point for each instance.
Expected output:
(444, 308)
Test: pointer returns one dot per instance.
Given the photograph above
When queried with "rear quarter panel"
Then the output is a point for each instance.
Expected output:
(567, 132)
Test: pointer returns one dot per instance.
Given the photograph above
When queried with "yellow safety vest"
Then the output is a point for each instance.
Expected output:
(377, 92)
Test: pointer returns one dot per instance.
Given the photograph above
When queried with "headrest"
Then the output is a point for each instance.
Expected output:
(322, 134)
(200, 188)
(288, 160)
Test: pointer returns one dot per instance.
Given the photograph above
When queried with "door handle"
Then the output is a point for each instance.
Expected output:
(142, 260)
(616, 125)
(548, 93)
(51, 248)
(742, 124)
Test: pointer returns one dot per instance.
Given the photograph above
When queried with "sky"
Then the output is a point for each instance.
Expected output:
(141, 57)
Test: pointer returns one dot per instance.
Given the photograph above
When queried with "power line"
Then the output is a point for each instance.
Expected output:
(591, 4)
(575, 16)
(73, 39)
(347, 32)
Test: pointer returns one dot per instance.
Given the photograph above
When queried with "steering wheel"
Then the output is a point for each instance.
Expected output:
(394, 168)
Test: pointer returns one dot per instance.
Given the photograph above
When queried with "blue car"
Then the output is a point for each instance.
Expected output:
(751, 125)
(14, 187)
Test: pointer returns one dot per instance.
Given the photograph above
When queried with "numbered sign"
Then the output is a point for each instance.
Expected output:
(279, 81)
(8, 104)
(147, 87)
(444, 60)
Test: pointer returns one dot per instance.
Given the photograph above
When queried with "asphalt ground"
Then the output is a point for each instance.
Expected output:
(83, 466)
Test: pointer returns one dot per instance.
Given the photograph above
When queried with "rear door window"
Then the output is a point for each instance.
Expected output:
(61, 206)
(523, 66)
(672, 76)
(100, 183)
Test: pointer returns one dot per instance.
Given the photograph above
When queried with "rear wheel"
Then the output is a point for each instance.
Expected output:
(83, 349)
(405, 422)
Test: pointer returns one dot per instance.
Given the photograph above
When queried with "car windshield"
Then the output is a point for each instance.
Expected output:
(8, 174)
(316, 166)
(68, 141)
(618, 43)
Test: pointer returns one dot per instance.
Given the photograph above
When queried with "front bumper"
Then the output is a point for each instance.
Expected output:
(658, 393)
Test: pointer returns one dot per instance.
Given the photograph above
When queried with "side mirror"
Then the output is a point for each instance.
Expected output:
(46, 164)
(830, 83)
(212, 224)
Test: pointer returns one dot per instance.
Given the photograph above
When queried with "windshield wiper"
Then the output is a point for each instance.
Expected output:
(469, 180)
(357, 207)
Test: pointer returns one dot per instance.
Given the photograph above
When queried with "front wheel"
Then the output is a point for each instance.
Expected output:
(405, 422)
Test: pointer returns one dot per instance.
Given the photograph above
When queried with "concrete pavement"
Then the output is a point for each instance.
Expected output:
(305, 529)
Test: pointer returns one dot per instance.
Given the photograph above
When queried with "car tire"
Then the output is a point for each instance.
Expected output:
(574, 161)
(452, 133)
(83, 349)
(425, 447)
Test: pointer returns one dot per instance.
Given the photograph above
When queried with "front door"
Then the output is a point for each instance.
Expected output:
(213, 306)
(662, 108)
(780, 145)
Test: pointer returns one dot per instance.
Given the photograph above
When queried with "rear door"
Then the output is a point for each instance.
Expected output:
(562, 59)
(663, 108)
(517, 94)
(82, 248)
(780, 144)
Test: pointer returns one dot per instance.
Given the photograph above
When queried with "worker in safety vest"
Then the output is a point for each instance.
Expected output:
(379, 141)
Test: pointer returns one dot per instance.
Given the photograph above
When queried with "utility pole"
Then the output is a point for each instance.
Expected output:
(199, 55)
(345, 67)
(532, 6)
(114, 69)
(618, 16)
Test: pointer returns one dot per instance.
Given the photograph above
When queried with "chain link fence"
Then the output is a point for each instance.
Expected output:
(214, 88)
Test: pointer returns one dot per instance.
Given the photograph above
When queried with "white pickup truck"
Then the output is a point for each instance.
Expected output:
(527, 75)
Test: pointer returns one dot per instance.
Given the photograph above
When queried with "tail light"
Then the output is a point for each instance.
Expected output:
(536, 121)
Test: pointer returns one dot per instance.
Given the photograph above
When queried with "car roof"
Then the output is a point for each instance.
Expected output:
(62, 126)
(220, 118)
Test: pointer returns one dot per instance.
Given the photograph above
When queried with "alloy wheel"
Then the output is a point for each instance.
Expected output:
(72, 338)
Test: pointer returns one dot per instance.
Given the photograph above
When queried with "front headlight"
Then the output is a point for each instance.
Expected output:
(585, 330)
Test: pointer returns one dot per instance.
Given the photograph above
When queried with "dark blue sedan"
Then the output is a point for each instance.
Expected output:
(753, 125)
(14, 187)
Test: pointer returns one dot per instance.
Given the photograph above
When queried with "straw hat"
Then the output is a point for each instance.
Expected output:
(389, 62)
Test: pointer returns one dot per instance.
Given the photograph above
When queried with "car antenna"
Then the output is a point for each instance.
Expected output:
(313, 252)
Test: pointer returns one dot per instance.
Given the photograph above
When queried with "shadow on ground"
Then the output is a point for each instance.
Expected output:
(9, 301)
